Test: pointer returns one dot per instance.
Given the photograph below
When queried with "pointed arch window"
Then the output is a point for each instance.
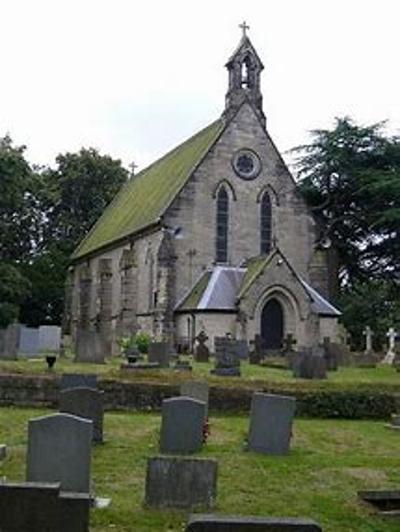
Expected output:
(222, 225)
(265, 224)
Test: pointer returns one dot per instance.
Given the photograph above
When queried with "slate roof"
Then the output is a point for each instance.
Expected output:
(144, 199)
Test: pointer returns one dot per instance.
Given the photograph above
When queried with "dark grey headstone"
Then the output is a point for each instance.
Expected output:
(182, 425)
(271, 419)
(181, 483)
(86, 403)
(233, 523)
(78, 380)
(384, 500)
(40, 507)
(3, 451)
(59, 450)
(309, 364)
(197, 390)
(159, 353)
(240, 348)
(226, 372)
(140, 366)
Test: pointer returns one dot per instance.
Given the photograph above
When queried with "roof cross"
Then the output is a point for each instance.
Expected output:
(244, 27)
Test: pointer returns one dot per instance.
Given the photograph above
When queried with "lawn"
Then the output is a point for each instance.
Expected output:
(330, 460)
(380, 378)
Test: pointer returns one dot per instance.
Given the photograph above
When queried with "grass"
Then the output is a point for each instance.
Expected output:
(330, 460)
(381, 378)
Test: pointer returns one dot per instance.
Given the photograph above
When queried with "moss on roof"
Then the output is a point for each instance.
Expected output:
(145, 198)
(255, 267)
(192, 300)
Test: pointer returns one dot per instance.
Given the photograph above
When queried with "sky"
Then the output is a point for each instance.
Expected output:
(135, 78)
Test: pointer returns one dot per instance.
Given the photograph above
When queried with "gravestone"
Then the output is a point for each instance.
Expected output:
(202, 353)
(182, 425)
(368, 333)
(59, 450)
(40, 507)
(78, 380)
(227, 364)
(309, 364)
(181, 483)
(391, 353)
(28, 341)
(226, 345)
(3, 451)
(271, 419)
(256, 355)
(159, 354)
(86, 403)
(9, 340)
(233, 523)
(49, 338)
(197, 390)
(329, 355)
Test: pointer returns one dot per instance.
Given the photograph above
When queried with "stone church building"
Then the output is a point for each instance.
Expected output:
(213, 236)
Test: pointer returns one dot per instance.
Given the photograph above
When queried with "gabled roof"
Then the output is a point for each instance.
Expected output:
(145, 198)
(244, 46)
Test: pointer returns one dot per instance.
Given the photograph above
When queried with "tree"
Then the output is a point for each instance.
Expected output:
(73, 196)
(350, 177)
(14, 287)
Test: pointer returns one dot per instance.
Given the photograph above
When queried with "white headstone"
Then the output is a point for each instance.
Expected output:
(49, 338)
(391, 353)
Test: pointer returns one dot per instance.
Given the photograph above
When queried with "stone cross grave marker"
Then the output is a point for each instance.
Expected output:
(181, 483)
(196, 390)
(391, 353)
(78, 380)
(86, 403)
(368, 333)
(202, 353)
(59, 450)
(159, 354)
(182, 425)
(271, 419)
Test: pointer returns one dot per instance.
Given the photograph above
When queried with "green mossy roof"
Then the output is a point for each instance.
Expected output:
(193, 298)
(145, 198)
(255, 267)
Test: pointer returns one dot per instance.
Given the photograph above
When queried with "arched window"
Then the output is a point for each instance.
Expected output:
(222, 225)
(265, 224)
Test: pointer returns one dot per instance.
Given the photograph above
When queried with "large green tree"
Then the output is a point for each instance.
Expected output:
(350, 176)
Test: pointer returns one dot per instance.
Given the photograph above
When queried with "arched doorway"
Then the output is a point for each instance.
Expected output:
(272, 324)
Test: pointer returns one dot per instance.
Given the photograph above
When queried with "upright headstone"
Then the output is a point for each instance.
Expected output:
(181, 483)
(309, 364)
(78, 380)
(391, 353)
(368, 333)
(86, 403)
(182, 425)
(256, 355)
(271, 421)
(235, 523)
(329, 355)
(59, 450)
(196, 390)
(202, 353)
(159, 354)
(9, 340)
(49, 339)
(29, 341)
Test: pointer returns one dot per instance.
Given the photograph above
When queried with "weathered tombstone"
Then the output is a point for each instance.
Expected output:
(197, 390)
(28, 341)
(86, 403)
(227, 364)
(202, 353)
(49, 338)
(181, 483)
(59, 450)
(235, 523)
(271, 419)
(391, 353)
(78, 380)
(40, 507)
(309, 364)
(256, 355)
(182, 425)
(9, 340)
(3, 451)
(159, 354)
(329, 355)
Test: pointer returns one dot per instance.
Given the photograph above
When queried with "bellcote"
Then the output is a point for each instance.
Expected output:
(244, 68)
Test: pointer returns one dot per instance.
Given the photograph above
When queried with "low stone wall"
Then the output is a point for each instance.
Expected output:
(22, 390)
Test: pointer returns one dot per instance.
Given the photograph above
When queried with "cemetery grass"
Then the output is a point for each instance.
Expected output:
(380, 379)
(330, 460)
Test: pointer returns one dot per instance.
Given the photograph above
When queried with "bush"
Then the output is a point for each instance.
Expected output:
(139, 340)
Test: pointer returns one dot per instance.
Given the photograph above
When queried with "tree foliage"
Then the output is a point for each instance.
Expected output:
(350, 176)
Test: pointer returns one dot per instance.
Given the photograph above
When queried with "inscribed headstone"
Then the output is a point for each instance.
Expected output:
(159, 353)
(271, 419)
(59, 450)
(182, 425)
(86, 403)
(181, 483)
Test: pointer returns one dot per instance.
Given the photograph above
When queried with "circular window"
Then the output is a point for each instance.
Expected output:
(246, 164)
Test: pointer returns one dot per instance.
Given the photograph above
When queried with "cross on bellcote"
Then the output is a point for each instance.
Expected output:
(244, 27)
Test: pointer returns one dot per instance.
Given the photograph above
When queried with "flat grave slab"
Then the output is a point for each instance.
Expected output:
(233, 523)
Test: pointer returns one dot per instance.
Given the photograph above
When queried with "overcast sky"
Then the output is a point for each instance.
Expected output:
(134, 78)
